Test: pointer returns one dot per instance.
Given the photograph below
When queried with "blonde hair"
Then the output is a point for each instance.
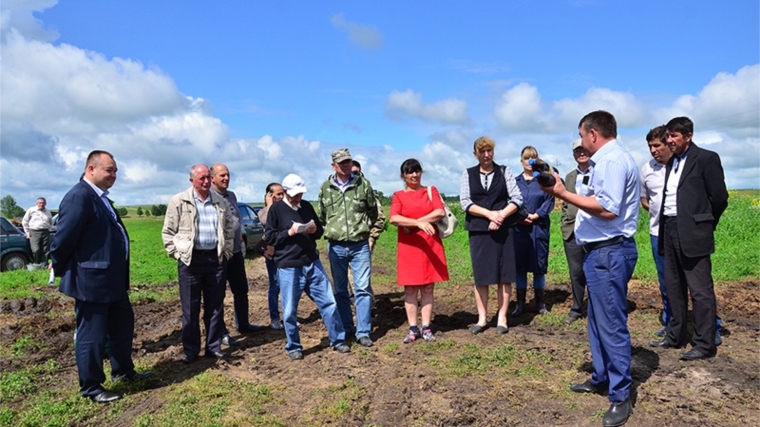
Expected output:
(483, 143)
(528, 152)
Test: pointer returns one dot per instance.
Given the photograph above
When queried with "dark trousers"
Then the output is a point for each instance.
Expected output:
(205, 276)
(684, 275)
(39, 240)
(94, 322)
(239, 288)
(575, 255)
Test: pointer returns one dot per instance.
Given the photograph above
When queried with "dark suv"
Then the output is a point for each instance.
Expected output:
(15, 251)
(252, 229)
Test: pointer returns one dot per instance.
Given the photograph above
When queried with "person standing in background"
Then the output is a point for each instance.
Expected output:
(652, 187)
(420, 256)
(293, 229)
(274, 193)
(532, 235)
(348, 210)
(694, 198)
(489, 195)
(236, 276)
(37, 222)
(576, 182)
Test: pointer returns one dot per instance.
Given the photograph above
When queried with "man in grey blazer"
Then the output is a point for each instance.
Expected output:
(575, 182)
(694, 199)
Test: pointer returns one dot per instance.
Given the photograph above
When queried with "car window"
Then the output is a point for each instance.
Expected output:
(7, 227)
(245, 212)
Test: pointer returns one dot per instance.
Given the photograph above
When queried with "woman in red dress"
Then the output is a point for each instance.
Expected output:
(420, 258)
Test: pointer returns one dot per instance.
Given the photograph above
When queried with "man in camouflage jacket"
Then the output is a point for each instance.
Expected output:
(349, 211)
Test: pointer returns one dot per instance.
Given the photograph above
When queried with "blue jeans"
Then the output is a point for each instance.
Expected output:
(608, 270)
(539, 281)
(358, 256)
(311, 279)
(273, 295)
(667, 312)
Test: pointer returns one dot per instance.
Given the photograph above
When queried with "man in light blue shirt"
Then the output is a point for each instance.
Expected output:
(605, 225)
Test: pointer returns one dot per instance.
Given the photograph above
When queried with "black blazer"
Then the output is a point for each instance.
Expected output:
(88, 248)
(702, 198)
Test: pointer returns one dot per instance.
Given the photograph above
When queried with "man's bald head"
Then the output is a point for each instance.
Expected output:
(220, 177)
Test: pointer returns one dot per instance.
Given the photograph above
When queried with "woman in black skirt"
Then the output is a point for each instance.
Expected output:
(489, 195)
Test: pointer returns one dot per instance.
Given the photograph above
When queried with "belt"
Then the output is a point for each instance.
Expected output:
(207, 252)
(588, 247)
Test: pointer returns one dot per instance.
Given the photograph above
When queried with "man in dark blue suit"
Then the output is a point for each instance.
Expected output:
(90, 253)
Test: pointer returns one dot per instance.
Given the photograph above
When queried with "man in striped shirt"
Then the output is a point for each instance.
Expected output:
(199, 233)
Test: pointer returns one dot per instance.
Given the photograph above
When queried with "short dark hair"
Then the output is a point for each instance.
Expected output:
(601, 121)
(271, 186)
(682, 125)
(659, 133)
(41, 198)
(410, 166)
(94, 157)
(357, 164)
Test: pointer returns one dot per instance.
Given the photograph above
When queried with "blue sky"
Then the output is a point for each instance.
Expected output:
(271, 88)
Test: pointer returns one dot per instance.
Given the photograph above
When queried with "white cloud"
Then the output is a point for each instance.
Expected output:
(729, 102)
(520, 109)
(18, 16)
(60, 102)
(628, 111)
(409, 103)
(367, 37)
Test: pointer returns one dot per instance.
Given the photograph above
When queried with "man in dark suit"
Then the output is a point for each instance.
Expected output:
(575, 182)
(695, 197)
(90, 253)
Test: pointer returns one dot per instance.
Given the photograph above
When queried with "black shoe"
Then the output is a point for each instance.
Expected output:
(296, 355)
(585, 387)
(618, 414)
(365, 342)
(570, 319)
(105, 397)
(188, 359)
(663, 343)
(477, 329)
(229, 341)
(133, 377)
(251, 328)
(216, 354)
(662, 332)
(501, 330)
(695, 354)
(342, 348)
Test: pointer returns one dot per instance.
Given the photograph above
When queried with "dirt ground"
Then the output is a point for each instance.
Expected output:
(401, 386)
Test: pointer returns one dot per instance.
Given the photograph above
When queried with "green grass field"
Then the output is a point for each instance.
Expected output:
(737, 255)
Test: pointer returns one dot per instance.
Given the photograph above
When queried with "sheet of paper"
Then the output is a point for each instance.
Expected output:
(300, 228)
